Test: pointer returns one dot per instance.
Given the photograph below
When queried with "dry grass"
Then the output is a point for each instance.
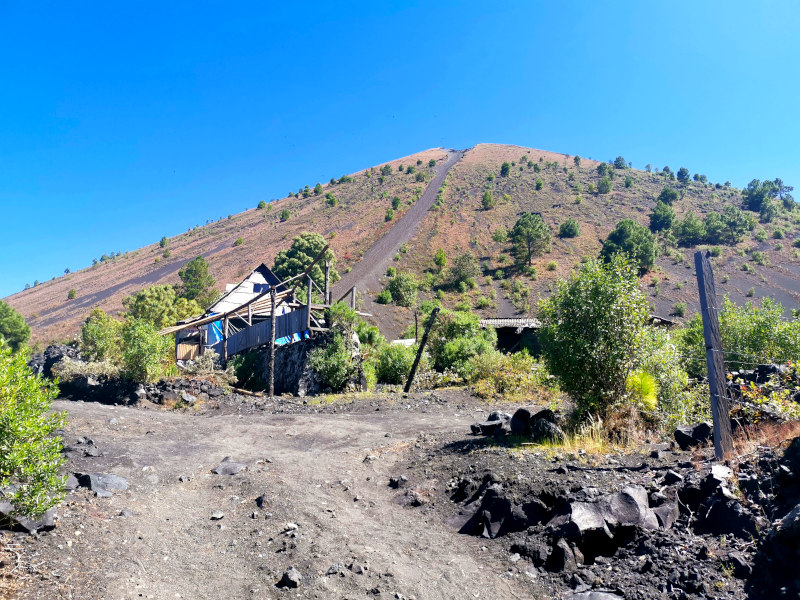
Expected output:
(748, 438)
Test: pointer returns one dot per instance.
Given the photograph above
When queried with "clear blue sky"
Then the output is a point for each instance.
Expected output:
(123, 122)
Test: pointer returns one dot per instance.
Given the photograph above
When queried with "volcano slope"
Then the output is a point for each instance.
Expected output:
(439, 206)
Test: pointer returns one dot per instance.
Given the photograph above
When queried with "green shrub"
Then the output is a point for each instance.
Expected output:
(488, 202)
(662, 217)
(145, 353)
(759, 257)
(334, 362)
(500, 235)
(539, 183)
(403, 289)
(716, 251)
(389, 214)
(13, 327)
(393, 363)
(628, 182)
(391, 271)
(101, 337)
(72, 294)
(552, 265)
(465, 268)
(632, 239)
(569, 229)
(239, 241)
(679, 309)
(395, 202)
(690, 231)
(668, 196)
(493, 374)
(30, 456)
(285, 214)
(505, 169)
(591, 332)
(778, 233)
(604, 185)
(384, 297)
(440, 259)
(432, 163)
(261, 205)
(760, 235)
(455, 338)
(159, 306)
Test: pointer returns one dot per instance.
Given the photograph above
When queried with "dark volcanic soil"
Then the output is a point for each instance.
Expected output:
(363, 498)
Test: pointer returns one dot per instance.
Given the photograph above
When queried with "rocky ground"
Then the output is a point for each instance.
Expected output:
(393, 496)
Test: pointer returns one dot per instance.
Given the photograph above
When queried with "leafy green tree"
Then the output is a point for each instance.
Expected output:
(683, 175)
(403, 288)
(604, 185)
(539, 183)
(488, 202)
(261, 205)
(160, 306)
(604, 169)
(668, 196)
(505, 169)
(591, 333)
(530, 236)
(569, 229)
(386, 170)
(163, 243)
(13, 327)
(334, 362)
(30, 449)
(432, 163)
(440, 259)
(145, 354)
(768, 210)
(396, 203)
(690, 230)
(662, 217)
(577, 161)
(389, 214)
(101, 337)
(456, 337)
(197, 282)
(304, 249)
(318, 189)
(634, 240)
(285, 214)
(465, 267)
(620, 163)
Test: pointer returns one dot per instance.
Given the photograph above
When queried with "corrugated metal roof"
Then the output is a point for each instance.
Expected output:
(525, 323)
(259, 281)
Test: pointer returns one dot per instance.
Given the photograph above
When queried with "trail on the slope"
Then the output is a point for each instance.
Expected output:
(366, 274)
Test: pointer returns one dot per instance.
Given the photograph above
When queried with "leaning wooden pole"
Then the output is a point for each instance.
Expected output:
(327, 299)
(432, 318)
(272, 328)
(720, 412)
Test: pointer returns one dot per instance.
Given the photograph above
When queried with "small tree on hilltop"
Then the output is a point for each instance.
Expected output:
(668, 196)
(620, 163)
(318, 189)
(577, 160)
(604, 185)
(530, 236)
(440, 259)
(488, 202)
(634, 240)
(31, 457)
(505, 169)
(198, 284)
(13, 327)
(591, 333)
(683, 175)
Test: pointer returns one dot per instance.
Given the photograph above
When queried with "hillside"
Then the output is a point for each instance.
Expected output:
(439, 208)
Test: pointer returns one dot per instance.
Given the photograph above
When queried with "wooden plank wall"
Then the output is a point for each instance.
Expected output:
(259, 334)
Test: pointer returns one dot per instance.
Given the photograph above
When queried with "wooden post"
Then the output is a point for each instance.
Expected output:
(723, 443)
(353, 297)
(416, 326)
(272, 346)
(225, 339)
(308, 306)
(434, 313)
(325, 300)
(250, 315)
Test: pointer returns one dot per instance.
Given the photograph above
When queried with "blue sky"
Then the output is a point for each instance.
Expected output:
(123, 122)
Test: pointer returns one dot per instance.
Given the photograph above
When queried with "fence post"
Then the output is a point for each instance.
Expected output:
(434, 312)
(720, 412)
(353, 297)
(308, 306)
(272, 345)
(327, 282)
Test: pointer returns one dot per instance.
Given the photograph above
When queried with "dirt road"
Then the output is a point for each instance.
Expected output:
(180, 531)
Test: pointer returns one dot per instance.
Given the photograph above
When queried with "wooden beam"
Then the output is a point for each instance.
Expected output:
(720, 412)
(424, 341)
(308, 305)
(327, 281)
(353, 297)
(225, 339)
(272, 346)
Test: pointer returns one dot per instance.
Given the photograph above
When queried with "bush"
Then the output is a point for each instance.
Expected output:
(159, 306)
(493, 374)
(455, 338)
(13, 327)
(591, 332)
(72, 294)
(505, 169)
(500, 235)
(604, 185)
(634, 240)
(145, 353)
(749, 334)
(465, 268)
(334, 362)
(389, 214)
(552, 265)
(285, 214)
(393, 363)
(101, 337)
(403, 289)
(662, 217)
(569, 229)
(31, 451)
(440, 259)
(488, 202)
(384, 297)
(261, 205)
(690, 231)
(432, 163)
(239, 241)
(679, 309)
(668, 196)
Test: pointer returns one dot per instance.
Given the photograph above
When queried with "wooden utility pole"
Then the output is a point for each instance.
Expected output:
(416, 326)
(720, 412)
(308, 306)
(272, 345)
(434, 313)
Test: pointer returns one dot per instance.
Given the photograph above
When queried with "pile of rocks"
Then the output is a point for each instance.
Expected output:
(539, 427)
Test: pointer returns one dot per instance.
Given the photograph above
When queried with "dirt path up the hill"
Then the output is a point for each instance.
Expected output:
(366, 274)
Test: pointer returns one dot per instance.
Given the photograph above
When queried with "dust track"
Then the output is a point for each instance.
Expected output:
(327, 473)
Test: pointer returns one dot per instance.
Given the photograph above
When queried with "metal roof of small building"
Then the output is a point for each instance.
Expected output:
(524, 323)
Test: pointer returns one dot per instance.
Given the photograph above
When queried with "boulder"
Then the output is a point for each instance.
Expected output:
(629, 508)
(487, 427)
(562, 558)
(690, 436)
(543, 431)
(15, 522)
(520, 423)
(667, 514)
(102, 482)
(498, 416)
(496, 516)
(290, 579)
(228, 467)
(775, 568)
